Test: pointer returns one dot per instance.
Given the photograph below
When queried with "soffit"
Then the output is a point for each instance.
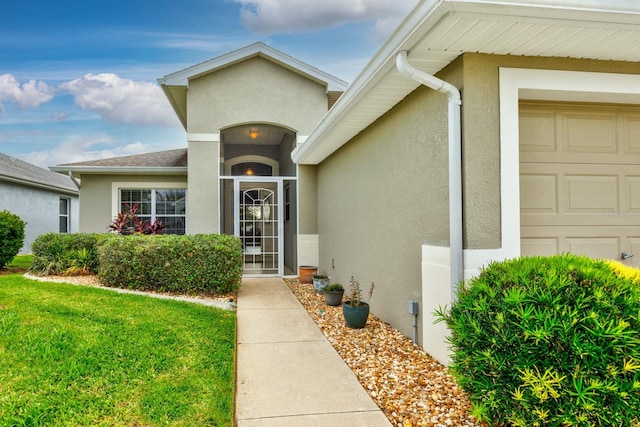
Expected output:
(437, 32)
(261, 134)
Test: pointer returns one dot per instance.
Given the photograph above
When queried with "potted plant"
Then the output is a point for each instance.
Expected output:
(320, 281)
(355, 310)
(333, 294)
(307, 272)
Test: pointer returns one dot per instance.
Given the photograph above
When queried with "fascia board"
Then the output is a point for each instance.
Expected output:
(119, 170)
(181, 78)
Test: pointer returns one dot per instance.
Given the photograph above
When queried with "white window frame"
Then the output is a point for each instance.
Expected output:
(67, 216)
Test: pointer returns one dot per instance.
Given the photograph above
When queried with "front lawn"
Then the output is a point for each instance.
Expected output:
(77, 356)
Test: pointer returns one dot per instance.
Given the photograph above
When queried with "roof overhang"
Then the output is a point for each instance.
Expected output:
(175, 85)
(119, 170)
(36, 184)
(438, 31)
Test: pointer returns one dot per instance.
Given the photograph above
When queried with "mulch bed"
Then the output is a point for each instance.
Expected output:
(410, 387)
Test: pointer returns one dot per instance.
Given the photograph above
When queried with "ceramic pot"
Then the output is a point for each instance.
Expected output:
(306, 273)
(333, 297)
(319, 284)
(355, 317)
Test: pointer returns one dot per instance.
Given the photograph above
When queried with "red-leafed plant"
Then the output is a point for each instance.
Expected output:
(127, 222)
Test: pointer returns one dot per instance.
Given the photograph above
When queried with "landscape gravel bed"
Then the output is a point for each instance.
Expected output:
(410, 387)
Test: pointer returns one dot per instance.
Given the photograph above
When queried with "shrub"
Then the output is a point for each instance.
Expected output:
(334, 287)
(56, 253)
(548, 341)
(193, 263)
(11, 236)
(127, 222)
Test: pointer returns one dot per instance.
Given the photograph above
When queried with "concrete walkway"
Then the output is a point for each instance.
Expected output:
(288, 374)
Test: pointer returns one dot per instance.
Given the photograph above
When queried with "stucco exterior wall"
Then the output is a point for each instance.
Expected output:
(203, 189)
(380, 197)
(248, 91)
(39, 208)
(481, 135)
(96, 192)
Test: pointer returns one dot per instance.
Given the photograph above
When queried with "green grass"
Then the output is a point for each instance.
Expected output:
(21, 261)
(76, 356)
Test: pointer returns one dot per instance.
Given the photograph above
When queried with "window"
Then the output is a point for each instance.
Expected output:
(166, 205)
(64, 215)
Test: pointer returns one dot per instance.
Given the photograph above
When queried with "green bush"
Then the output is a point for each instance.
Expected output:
(11, 236)
(60, 253)
(170, 263)
(548, 341)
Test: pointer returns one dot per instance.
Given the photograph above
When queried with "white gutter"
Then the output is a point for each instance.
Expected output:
(455, 163)
(115, 170)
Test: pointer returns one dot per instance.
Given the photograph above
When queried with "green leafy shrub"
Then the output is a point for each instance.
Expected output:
(333, 287)
(170, 263)
(60, 253)
(127, 222)
(11, 236)
(548, 341)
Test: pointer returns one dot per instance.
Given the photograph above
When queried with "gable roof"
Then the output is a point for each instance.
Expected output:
(438, 31)
(175, 85)
(160, 162)
(21, 172)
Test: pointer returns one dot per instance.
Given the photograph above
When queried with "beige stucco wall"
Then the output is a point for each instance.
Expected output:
(203, 189)
(96, 195)
(255, 90)
(380, 197)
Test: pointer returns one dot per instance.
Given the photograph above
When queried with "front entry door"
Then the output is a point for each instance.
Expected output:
(258, 223)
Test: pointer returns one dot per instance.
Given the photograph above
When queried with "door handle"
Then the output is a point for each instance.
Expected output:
(625, 255)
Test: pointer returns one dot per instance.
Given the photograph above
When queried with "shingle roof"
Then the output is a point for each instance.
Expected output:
(169, 158)
(15, 170)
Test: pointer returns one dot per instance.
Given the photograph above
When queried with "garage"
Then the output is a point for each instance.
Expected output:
(580, 179)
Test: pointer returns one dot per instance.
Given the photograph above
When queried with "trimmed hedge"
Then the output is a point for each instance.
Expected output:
(548, 341)
(193, 263)
(61, 253)
(11, 236)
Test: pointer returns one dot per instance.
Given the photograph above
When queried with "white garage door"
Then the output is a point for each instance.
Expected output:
(580, 180)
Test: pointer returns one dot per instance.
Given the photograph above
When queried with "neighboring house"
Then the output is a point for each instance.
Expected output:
(533, 147)
(46, 201)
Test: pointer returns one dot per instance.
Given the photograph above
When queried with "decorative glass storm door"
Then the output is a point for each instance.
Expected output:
(258, 224)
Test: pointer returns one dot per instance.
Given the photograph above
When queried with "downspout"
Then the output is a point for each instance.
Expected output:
(73, 178)
(455, 163)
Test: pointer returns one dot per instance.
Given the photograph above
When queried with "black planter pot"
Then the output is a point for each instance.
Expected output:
(355, 317)
(333, 297)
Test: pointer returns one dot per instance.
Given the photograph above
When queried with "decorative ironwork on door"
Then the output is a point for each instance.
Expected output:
(259, 230)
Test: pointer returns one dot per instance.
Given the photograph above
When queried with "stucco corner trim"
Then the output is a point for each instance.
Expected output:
(203, 137)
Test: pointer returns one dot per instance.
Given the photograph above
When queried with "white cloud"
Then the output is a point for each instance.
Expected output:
(122, 101)
(29, 94)
(286, 16)
(83, 147)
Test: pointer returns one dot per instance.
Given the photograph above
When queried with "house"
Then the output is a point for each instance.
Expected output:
(46, 201)
(481, 130)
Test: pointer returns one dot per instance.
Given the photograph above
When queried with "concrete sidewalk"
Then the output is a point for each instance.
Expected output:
(288, 374)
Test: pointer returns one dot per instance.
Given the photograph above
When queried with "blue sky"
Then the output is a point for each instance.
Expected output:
(78, 78)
